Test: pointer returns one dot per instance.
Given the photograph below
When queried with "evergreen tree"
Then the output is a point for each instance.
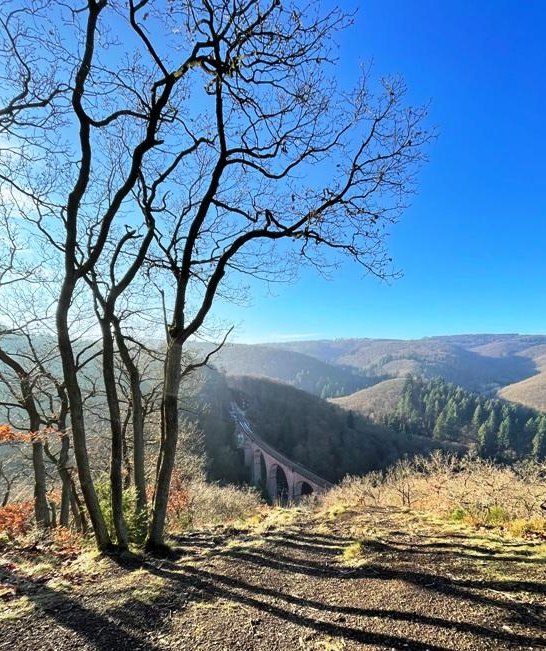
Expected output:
(478, 418)
(452, 425)
(539, 440)
(504, 434)
(439, 432)
(445, 411)
(487, 441)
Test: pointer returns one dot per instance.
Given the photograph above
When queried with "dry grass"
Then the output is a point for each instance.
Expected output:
(211, 504)
(530, 392)
(468, 490)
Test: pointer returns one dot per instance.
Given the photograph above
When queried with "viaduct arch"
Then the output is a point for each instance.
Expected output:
(284, 480)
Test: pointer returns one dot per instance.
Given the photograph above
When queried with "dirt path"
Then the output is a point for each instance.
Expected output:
(380, 580)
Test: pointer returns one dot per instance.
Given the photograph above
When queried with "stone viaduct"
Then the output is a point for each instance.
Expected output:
(284, 479)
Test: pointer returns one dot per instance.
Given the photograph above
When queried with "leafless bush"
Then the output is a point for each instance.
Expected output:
(356, 491)
(470, 487)
(213, 504)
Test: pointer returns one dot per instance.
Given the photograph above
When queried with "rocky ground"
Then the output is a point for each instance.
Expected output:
(382, 579)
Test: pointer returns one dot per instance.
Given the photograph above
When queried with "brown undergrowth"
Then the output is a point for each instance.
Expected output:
(470, 490)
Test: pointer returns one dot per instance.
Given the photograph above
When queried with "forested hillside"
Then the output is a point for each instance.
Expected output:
(329, 440)
(209, 409)
(445, 412)
(296, 369)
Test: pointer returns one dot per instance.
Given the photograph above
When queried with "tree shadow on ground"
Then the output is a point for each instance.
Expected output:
(101, 630)
(133, 624)
(471, 552)
(285, 556)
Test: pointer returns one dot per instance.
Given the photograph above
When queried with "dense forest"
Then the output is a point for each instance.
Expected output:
(329, 440)
(209, 409)
(445, 412)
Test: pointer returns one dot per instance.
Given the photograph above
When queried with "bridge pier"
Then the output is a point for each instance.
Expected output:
(284, 480)
(256, 471)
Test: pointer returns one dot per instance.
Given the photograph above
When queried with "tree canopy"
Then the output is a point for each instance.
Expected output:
(154, 153)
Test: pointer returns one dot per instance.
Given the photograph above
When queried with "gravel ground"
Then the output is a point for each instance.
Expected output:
(303, 584)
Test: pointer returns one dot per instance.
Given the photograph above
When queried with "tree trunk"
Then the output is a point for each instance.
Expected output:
(65, 480)
(53, 514)
(169, 440)
(138, 427)
(64, 513)
(102, 536)
(41, 507)
(9, 484)
(78, 512)
(116, 461)
(127, 470)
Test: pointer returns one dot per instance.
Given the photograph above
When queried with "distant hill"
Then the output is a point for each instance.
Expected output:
(296, 369)
(480, 362)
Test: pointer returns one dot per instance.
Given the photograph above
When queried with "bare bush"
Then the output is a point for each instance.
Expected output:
(470, 489)
(211, 504)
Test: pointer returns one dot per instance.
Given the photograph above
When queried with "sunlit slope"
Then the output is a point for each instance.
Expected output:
(376, 401)
(530, 392)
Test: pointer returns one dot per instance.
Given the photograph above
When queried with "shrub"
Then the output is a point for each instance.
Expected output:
(209, 504)
(458, 514)
(15, 518)
(133, 520)
(531, 527)
(467, 489)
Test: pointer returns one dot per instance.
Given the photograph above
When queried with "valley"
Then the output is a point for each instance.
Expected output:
(337, 406)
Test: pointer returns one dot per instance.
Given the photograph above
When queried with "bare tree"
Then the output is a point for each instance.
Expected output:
(214, 135)
(286, 157)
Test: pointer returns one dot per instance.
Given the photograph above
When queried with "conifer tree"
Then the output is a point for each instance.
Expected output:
(539, 440)
(487, 441)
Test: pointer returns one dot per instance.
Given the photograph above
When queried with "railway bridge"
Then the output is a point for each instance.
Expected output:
(284, 479)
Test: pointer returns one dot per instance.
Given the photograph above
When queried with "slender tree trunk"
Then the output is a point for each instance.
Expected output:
(5, 499)
(53, 514)
(169, 440)
(116, 461)
(78, 511)
(65, 480)
(41, 507)
(138, 425)
(77, 421)
(64, 514)
(9, 484)
(127, 470)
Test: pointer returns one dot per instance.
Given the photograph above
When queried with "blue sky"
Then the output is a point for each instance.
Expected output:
(472, 246)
